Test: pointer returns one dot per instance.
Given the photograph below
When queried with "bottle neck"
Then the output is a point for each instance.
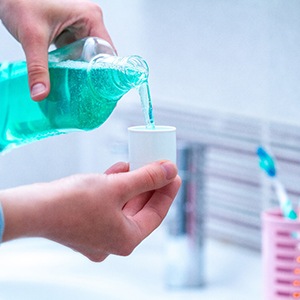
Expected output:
(113, 76)
(135, 69)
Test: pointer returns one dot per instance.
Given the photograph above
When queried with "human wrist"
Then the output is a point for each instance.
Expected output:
(24, 211)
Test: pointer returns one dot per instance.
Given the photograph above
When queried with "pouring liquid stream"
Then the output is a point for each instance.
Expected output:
(147, 107)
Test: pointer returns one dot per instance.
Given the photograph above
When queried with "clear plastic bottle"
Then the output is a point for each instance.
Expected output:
(87, 80)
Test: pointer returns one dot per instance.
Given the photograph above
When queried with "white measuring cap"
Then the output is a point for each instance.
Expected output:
(147, 145)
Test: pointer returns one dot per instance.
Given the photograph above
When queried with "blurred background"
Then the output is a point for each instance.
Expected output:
(226, 74)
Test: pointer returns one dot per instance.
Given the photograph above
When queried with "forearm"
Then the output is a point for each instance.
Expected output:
(25, 211)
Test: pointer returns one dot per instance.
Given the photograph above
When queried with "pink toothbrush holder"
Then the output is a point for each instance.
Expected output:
(281, 256)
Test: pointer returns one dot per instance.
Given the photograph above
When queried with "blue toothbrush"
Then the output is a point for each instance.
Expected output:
(267, 164)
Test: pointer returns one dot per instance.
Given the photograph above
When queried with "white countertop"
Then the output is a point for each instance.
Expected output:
(40, 269)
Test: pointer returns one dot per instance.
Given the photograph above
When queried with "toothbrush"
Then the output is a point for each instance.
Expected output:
(267, 164)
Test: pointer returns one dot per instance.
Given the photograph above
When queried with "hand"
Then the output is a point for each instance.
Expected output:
(38, 24)
(95, 214)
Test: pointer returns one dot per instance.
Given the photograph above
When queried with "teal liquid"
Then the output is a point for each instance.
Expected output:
(73, 103)
(147, 107)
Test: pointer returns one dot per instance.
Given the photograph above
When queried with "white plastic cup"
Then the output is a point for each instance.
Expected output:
(147, 145)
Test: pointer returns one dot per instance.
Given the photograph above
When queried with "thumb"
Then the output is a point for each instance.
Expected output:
(36, 51)
(148, 178)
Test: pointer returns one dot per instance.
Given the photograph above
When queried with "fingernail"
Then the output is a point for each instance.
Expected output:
(169, 169)
(37, 89)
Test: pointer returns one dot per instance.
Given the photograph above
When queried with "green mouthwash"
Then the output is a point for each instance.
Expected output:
(84, 92)
(147, 105)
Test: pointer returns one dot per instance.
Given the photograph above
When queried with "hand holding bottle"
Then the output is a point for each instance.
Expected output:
(95, 214)
(37, 24)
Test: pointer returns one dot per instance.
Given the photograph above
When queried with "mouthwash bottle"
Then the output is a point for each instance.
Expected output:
(87, 80)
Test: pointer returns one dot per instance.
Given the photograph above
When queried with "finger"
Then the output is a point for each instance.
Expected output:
(36, 51)
(71, 35)
(102, 32)
(119, 167)
(94, 26)
(98, 28)
(134, 205)
(66, 37)
(150, 177)
(155, 210)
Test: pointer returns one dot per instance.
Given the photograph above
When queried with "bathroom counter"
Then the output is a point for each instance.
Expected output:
(41, 269)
